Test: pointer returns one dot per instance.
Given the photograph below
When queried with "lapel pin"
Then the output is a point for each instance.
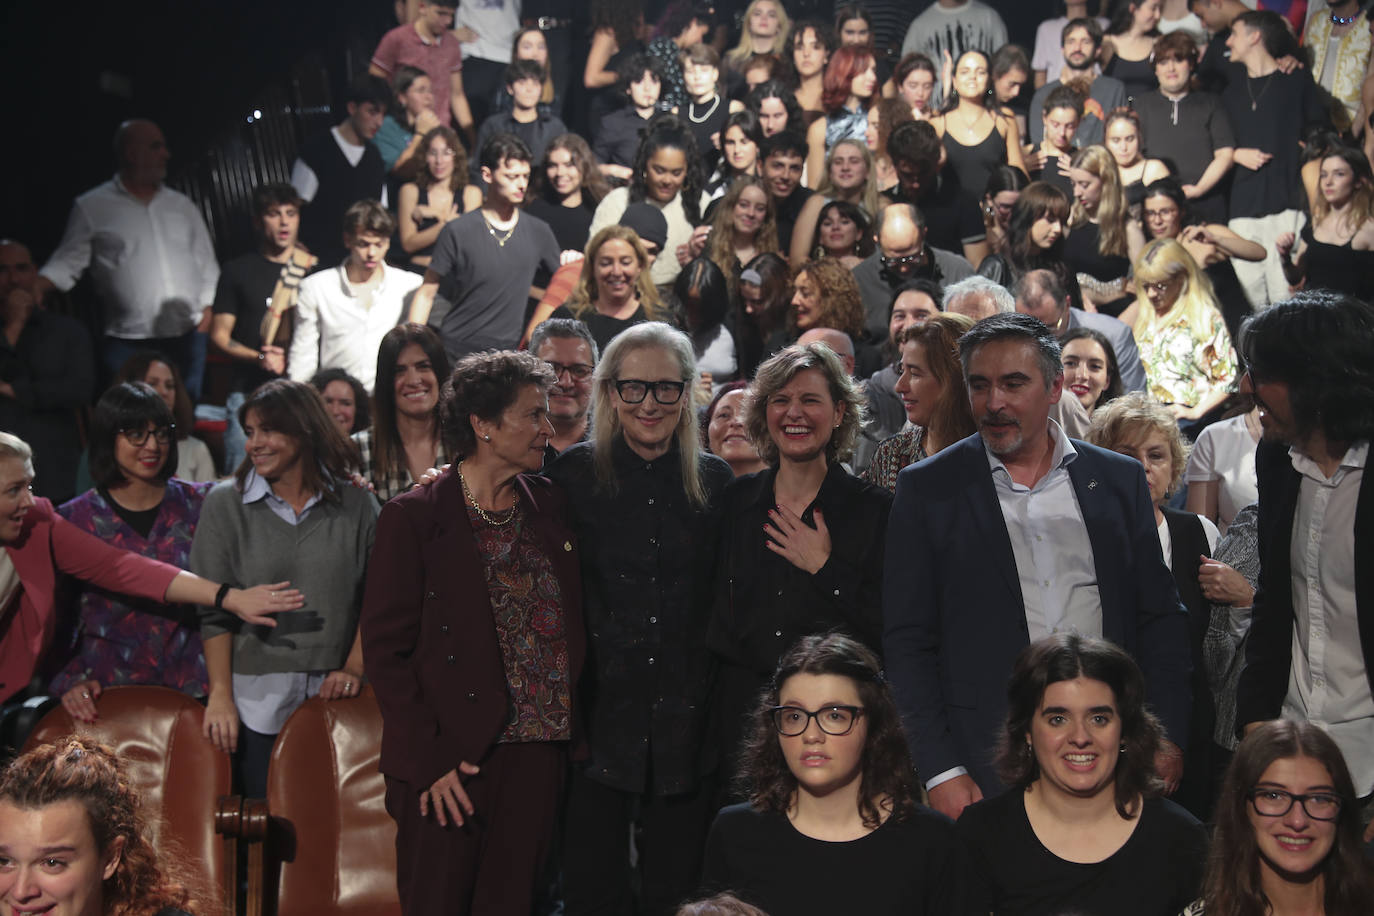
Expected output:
(567, 545)
(1092, 484)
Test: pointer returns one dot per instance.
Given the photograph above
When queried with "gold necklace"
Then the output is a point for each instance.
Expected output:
(501, 240)
(472, 501)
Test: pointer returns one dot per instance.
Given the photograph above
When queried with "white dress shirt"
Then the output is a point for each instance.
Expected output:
(1327, 684)
(335, 330)
(152, 263)
(1054, 558)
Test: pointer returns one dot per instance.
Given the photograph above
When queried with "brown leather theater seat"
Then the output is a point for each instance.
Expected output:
(330, 831)
(179, 775)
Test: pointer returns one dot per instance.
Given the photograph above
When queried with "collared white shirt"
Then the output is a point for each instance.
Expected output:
(334, 330)
(152, 263)
(1327, 683)
(265, 701)
(1054, 557)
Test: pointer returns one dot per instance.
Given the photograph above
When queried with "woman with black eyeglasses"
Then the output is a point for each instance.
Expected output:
(801, 541)
(1287, 835)
(645, 504)
(832, 817)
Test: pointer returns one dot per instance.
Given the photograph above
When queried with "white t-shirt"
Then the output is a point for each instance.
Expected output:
(1225, 452)
(495, 22)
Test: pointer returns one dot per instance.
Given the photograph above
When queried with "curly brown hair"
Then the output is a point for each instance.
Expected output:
(79, 769)
(888, 779)
(1064, 657)
(484, 385)
(838, 293)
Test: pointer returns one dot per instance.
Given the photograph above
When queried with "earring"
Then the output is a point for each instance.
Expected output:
(486, 438)
(1122, 750)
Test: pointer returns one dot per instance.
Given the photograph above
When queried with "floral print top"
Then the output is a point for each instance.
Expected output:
(1184, 367)
(894, 453)
(124, 640)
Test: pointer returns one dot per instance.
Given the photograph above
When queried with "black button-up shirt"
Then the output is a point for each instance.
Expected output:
(647, 556)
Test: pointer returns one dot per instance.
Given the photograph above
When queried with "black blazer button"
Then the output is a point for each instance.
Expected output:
(450, 659)
(443, 628)
(472, 696)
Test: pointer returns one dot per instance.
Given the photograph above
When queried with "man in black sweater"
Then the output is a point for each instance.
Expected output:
(335, 170)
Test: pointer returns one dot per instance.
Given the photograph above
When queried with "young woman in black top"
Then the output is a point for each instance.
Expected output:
(1082, 828)
(832, 823)
(570, 186)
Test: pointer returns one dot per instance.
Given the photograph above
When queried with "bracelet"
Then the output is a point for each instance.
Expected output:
(219, 595)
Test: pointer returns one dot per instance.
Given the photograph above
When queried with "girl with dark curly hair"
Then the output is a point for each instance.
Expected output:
(1082, 828)
(73, 840)
(832, 815)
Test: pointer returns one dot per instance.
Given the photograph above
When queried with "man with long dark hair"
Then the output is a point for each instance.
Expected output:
(1311, 371)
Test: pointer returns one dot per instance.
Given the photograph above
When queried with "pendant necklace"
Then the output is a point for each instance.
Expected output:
(501, 239)
(1254, 101)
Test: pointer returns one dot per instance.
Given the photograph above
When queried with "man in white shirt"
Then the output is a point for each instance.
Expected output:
(1006, 537)
(343, 314)
(1311, 371)
(149, 255)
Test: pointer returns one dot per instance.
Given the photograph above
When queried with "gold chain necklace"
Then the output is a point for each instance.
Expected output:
(501, 240)
(472, 501)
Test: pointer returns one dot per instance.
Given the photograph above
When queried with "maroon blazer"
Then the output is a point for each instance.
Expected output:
(429, 638)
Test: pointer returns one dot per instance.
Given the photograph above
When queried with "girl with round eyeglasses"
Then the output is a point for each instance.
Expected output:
(832, 813)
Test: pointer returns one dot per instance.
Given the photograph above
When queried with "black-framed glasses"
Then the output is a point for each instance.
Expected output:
(791, 721)
(579, 371)
(1320, 806)
(901, 261)
(161, 434)
(634, 390)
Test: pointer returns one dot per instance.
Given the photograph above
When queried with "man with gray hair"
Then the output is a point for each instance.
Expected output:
(1041, 295)
(902, 255)
(568, 347)
(1012, 535)
(978, 298)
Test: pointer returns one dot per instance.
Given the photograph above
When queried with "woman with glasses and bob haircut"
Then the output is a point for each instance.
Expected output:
(1287, 837)
(136, 505)
(801, 542)
(645, 505)
(1082, 828)
(832, 814)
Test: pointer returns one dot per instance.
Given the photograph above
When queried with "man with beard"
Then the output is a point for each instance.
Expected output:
(1311, 371)
(902, 255)
(567, 346)
(1011, 535)
(1081, 40)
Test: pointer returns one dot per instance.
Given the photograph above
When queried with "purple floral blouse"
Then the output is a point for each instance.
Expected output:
(123, 640)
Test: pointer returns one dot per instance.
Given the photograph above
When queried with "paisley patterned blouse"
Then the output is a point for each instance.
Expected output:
(123, 640)
(527, 605)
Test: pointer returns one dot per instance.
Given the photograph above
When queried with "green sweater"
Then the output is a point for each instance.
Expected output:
(325, 556)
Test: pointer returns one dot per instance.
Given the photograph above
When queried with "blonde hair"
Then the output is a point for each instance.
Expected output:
(1111, 206)
(1161, 261)
(739, 55)
(1129, 419)
(868, 199)
(584, 297)
(11, 446)
(606, 422)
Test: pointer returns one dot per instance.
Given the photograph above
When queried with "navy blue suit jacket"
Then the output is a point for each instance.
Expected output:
(954, 619)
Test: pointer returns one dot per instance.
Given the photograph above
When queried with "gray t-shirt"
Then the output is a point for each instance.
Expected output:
(487, 282)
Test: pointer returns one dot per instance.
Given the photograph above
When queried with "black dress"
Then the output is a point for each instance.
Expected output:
(1083, 255)
(1339, 267)
(426, 223)
(973, 164)
(1156, 872)
(1138, 76)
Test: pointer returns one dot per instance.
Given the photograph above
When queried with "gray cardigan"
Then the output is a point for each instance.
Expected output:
(325, 556)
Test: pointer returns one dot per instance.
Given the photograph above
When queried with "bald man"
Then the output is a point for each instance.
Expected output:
(149, 255)
(837, 341)
(902, 255)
